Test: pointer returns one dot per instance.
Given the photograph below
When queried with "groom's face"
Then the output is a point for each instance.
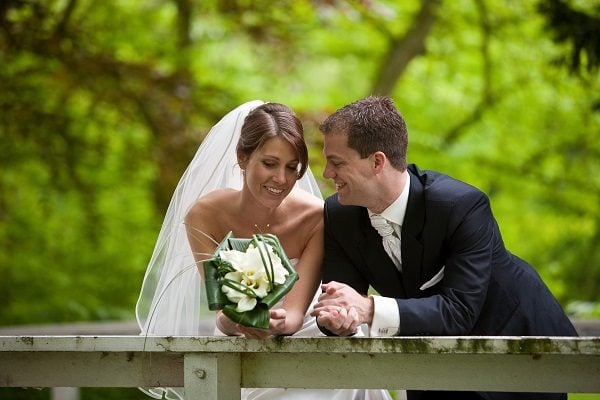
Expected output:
(350, 173)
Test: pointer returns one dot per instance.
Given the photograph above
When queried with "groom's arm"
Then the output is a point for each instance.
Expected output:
(341, 278)
(337, 264)
(380, 313)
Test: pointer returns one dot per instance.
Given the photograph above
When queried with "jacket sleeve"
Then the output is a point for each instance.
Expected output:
(337, 265)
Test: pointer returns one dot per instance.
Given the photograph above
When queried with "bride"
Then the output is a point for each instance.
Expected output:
(250, 175)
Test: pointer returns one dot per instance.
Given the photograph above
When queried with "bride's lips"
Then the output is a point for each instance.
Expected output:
(274, 191)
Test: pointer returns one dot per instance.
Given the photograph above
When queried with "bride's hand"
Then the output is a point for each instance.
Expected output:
(276, 326)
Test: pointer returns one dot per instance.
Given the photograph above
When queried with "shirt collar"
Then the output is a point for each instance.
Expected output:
(395, 212)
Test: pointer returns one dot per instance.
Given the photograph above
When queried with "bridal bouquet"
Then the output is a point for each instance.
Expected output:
(246, 277)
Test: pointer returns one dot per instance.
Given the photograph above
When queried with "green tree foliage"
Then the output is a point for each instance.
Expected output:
(102, 104)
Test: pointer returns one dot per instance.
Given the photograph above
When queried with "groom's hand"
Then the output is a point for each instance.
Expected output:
(341, 309)
(338, 320)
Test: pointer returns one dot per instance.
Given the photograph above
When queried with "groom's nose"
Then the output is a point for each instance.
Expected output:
(328, 172)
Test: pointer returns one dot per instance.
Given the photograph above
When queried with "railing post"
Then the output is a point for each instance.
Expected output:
(212, 376)
(64, 393)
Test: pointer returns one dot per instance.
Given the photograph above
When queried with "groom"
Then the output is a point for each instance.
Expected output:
(428, 244)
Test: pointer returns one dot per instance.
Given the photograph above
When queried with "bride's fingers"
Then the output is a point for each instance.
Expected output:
(252, 333)
(278, 313)
(276, 326)
(277, 322)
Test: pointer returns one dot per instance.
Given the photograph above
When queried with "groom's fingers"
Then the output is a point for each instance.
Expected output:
(331, 290)
(355, 321)
(331, 287)
(340, 298)
(345, 294)
(328, 321)
(339, 321)
(325, 306)
(348, 321)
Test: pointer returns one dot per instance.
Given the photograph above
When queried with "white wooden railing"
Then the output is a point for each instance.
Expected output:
(216, 367)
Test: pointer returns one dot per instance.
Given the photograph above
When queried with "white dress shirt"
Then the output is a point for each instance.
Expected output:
(386, 316)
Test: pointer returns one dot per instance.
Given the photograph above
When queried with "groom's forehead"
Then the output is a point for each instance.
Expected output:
(337, 147)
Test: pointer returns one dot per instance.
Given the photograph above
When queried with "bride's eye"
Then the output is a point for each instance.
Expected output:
(292, 167)
(269, 164)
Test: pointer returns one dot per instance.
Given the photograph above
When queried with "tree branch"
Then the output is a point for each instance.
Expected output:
(487, 99)
(404, 49)
(184, 17)
(61, 27)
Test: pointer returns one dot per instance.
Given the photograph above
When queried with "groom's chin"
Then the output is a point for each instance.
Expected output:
(343, 200)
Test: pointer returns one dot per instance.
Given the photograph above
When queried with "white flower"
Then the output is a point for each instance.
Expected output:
(251, 273)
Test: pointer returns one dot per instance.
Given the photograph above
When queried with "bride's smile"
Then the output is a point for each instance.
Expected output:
(273, 190)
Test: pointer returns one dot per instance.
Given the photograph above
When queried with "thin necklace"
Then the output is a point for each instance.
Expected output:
(260, 230)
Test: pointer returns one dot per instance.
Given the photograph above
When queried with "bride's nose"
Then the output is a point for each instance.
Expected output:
(279, 176)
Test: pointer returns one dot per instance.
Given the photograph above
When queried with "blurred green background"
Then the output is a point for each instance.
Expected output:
(103, 104)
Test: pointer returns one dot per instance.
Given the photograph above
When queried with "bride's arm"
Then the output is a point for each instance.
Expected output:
(203, 245)
(201, 237)
(201, 233)
(297, 301)
(289, 320)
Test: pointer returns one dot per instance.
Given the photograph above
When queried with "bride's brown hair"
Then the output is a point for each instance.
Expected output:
(271, 120)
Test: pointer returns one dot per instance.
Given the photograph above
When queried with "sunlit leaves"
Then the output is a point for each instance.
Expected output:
(102, 105)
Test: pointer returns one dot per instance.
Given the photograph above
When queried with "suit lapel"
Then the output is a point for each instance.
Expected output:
(412, 228)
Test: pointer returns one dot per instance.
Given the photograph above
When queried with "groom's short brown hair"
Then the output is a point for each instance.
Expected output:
(372, 124)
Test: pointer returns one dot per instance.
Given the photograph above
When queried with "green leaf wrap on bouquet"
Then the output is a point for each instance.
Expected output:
(215, 270)
(258, 317)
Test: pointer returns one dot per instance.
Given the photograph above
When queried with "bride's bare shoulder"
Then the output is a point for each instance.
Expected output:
(305, 204)
(305, 199)
(216, 200)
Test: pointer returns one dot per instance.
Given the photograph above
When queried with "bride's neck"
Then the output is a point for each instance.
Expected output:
(258, 214)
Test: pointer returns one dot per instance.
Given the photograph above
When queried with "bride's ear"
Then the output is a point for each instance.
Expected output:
(242, 160)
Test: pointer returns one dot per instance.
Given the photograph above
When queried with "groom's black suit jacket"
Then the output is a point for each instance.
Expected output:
(485, 290)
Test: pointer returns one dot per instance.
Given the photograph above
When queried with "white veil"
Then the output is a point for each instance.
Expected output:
(170, 297)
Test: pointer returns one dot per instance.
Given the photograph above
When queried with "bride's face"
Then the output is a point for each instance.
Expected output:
(271, 171)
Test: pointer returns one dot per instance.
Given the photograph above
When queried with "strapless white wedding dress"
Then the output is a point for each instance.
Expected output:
(310, 328)
(170, 301)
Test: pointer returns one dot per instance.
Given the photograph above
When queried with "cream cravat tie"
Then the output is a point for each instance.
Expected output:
(391, 243)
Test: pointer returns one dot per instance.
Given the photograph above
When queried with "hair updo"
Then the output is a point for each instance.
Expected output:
(271, 120)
